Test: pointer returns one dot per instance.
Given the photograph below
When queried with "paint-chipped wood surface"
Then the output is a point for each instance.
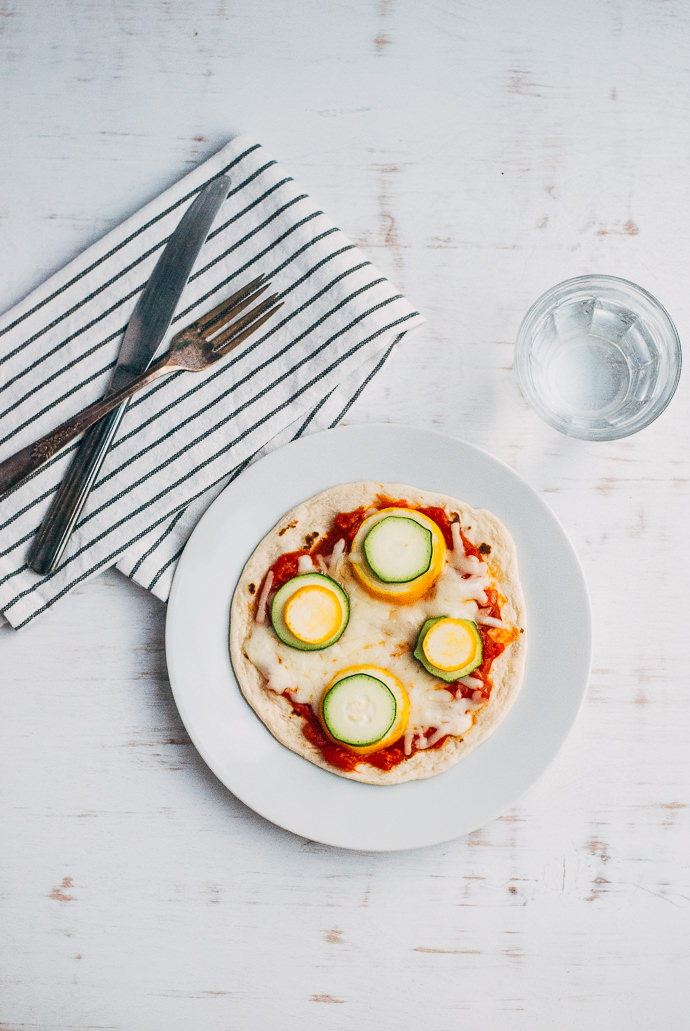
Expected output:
(479, 153)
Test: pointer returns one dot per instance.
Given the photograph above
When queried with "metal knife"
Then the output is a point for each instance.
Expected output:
(145, 330)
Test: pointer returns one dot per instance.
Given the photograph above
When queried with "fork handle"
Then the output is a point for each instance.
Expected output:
(30, 458)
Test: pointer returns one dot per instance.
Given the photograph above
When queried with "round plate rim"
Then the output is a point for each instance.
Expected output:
(380, 838)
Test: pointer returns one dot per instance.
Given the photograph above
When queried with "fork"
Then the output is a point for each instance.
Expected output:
(196, 347)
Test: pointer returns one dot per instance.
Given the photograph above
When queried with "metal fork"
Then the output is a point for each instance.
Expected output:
(196, 347)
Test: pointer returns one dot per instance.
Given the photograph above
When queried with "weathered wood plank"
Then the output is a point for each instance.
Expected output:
(479, 154)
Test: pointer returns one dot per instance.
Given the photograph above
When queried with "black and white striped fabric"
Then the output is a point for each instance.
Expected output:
(185, 437)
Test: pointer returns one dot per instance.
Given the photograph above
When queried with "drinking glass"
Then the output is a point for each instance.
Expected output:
(598, 357)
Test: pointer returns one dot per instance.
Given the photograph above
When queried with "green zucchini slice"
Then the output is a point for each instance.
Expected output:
(359, 710)
(462, 671)
(398, 549)
(332, 594)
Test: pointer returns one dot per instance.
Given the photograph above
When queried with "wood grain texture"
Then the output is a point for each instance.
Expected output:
(478, 153)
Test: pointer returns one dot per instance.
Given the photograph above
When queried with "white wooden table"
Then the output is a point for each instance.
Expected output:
(478, 152)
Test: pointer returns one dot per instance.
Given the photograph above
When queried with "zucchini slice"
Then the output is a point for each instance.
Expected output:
(310, 612)
(359, 710)
(365, 709)
(449, 648)
(403, 591)
(398, 549)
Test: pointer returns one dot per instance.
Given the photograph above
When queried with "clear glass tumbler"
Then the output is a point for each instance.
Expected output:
(597, 357)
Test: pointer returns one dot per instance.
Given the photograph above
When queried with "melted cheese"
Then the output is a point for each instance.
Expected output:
(382, 634)
(263, 598)
(475, 573)
(487, 620)
(336, 560)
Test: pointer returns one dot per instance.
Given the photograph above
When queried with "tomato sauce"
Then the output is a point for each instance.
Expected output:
(494, 639)
(342, 757)
(285, 567)
(345, 527)
(470, 548)
(494, 602)
(494, 643)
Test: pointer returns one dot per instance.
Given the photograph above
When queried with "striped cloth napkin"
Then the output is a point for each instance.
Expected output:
(186, 436)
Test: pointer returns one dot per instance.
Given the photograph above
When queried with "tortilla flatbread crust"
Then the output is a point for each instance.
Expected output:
(316, 515)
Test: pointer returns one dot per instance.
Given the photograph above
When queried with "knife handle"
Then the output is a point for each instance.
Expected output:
(154, 310)
(55, 530)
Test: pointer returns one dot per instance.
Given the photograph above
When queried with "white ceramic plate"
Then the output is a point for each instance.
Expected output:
(287, 789)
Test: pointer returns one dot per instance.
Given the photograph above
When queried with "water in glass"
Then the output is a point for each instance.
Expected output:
(595, 361)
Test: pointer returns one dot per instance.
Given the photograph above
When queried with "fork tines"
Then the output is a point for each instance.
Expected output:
(232, 305)
(224, 335)
(233, 335)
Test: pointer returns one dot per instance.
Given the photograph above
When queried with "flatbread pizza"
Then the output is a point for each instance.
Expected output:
(378, 630)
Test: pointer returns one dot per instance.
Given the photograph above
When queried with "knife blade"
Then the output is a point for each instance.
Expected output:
(145, 330)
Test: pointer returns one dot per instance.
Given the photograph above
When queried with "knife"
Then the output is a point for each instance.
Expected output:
(145, 330)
